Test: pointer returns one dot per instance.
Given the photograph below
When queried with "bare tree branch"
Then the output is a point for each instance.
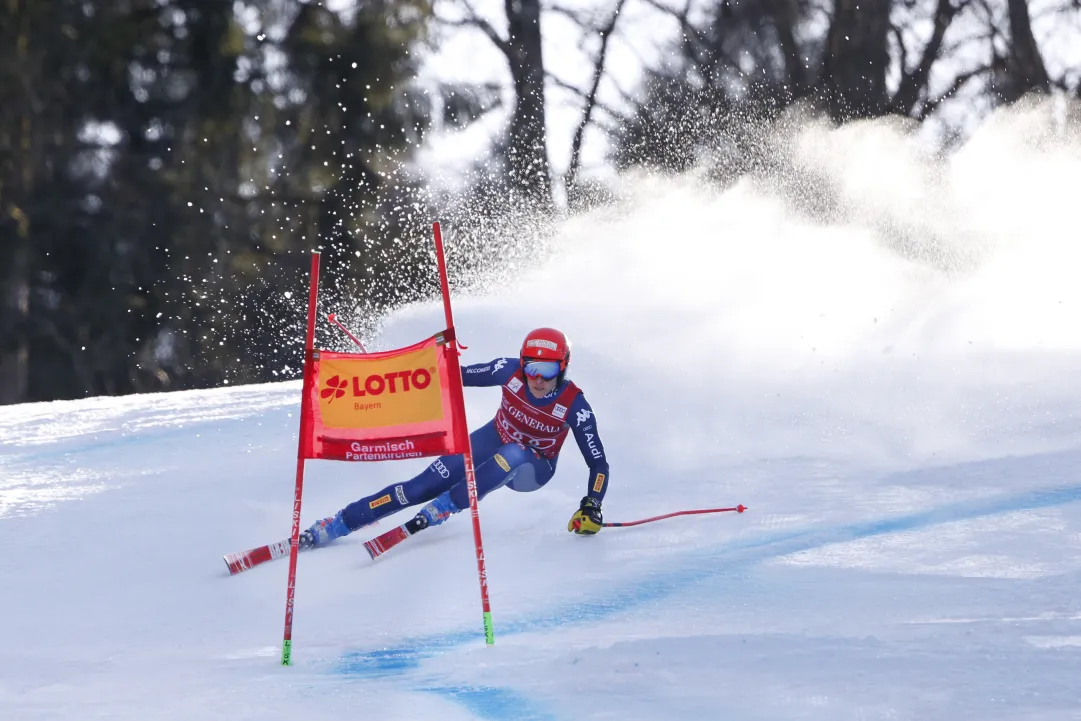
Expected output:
(691, 34)
(899, 37)
(627, 96)
(1062, 83)
(578, 18)
(667, 9)
(959, 82)
(476, 21)
(604, 33)
(699, 49)
(988, 13)
(914, 81)
(560, 83)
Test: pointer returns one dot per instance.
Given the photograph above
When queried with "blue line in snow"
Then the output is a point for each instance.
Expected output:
(495, 703)
(492, 704)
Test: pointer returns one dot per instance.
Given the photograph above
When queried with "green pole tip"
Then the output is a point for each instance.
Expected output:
(287, 653)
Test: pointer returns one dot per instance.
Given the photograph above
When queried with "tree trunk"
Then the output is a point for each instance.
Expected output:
(18, 158)
(914, 82)
(528, 153)
(15, 312)
(1024, 66)
(785, 16)
(852, 83)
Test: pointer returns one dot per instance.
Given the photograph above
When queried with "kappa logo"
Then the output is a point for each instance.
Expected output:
(560, 411)
(583, 416)
(498, 365)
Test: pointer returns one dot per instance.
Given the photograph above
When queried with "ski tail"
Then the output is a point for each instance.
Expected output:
(386, 541)
(244, 560)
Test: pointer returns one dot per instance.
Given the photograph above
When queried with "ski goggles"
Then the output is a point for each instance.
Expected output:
(544, 369)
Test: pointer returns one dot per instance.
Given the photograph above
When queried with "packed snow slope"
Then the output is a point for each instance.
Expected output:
(895, 394)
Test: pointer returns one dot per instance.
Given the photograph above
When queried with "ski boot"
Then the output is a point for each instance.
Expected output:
(432, 514)
(323, 532)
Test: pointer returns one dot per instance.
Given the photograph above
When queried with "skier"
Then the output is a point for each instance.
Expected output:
(518, 448)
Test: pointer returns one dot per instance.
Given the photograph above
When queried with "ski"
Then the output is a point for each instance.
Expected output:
(386, 541)
(242, 561)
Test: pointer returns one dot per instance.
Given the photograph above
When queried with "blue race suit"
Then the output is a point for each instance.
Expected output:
(497, 463)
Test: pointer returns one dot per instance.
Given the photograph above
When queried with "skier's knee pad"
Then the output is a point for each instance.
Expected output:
(531, 476)
(499, 468)
(523, 479)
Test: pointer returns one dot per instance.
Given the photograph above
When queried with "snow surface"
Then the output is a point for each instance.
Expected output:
(903, 420)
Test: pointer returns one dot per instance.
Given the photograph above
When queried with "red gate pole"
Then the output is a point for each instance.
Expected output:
(470, 475)
(305, 431)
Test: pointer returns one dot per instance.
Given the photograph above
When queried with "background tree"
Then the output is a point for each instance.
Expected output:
(852, 71)
(603, 30)
(163, 166)
(739, 64)
(166, 165)
(1023, 66)
(525, 148)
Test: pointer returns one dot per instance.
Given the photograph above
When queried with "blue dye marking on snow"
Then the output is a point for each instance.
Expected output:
(109, 439)
(492, 703)
(485, 702)
(384, 662)
(496, 704)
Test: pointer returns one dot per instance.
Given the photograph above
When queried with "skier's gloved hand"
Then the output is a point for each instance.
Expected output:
(587, 519)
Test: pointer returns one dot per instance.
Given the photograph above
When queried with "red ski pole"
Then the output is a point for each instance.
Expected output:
(739, 509)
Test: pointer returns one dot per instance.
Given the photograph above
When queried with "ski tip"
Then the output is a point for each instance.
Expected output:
(237, 562)
(371, 549)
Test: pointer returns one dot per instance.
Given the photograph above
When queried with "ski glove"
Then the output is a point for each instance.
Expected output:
(587, 519)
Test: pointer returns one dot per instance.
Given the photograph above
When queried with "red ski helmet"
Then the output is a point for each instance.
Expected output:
(547, 344)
